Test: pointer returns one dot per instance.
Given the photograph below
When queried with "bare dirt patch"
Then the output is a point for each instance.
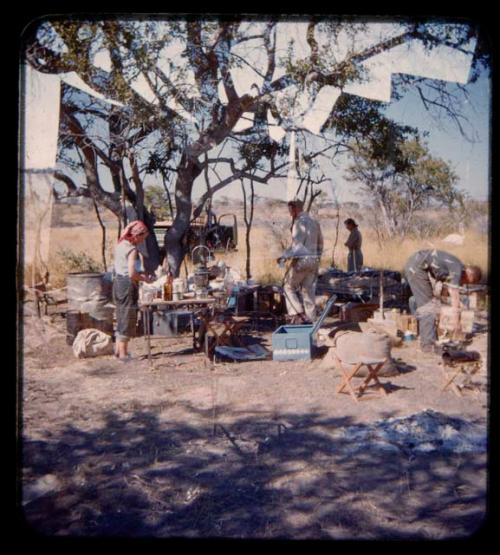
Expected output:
(242, 450)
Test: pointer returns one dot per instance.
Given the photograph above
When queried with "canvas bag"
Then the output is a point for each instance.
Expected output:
(91, 343)
(353, 347)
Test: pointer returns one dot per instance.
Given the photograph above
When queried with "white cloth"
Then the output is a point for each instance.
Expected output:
(307, 241)
(321, 108)
(91, 343)
(74, 80)
(310, 112)
(41, 102)
(40, 134)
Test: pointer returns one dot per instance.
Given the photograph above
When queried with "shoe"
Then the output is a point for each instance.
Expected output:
(432, 349)
(116, 355)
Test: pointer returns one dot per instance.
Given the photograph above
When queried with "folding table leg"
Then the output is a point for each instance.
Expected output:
(234, 333)
(146, 318)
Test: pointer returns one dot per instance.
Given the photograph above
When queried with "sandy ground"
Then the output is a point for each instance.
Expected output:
(185, 448)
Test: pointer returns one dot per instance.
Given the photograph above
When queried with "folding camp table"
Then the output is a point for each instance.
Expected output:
(225, 330)
(193, 305)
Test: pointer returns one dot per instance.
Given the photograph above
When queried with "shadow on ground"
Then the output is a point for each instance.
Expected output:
(145, 475)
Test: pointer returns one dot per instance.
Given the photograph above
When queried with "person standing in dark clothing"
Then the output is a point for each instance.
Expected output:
(353, 243)
(443, 267)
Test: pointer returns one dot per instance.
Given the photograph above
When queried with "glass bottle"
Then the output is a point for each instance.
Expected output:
(167, 288)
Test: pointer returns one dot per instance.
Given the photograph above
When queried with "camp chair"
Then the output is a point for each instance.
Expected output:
(225, 332)
(373, 367)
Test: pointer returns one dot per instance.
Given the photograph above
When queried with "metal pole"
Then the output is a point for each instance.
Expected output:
(381, 293)
(146, 313)
(214, 404)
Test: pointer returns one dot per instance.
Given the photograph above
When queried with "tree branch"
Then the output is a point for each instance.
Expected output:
(238, 174)
(73, 190)
(313, 43)
(81, 138)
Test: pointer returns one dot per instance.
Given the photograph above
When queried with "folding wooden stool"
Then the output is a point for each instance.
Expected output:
(455, 371)
(373, 367)
(231, 329)
(225, 332)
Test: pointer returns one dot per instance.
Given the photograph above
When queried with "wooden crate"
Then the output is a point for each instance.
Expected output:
(446, 320)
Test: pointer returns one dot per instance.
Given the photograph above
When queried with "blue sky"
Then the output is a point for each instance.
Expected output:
(469, 159)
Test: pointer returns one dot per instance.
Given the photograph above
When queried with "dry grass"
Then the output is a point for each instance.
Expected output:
(265, 249)
(394, 253)
(271, 230)
(78, 240)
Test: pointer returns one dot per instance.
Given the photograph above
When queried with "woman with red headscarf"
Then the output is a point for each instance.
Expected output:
(125, 285)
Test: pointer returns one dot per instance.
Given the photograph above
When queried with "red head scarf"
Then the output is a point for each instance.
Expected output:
(133, 229)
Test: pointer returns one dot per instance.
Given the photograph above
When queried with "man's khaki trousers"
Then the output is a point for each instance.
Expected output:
(303, 282)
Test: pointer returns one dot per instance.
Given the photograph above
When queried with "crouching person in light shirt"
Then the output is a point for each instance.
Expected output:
(421, 269)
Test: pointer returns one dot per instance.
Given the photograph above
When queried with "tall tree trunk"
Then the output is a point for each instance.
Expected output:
(248, 217)
(337, 215)
(139, 189)
(103, 227)
(388, 224)
(169, 196)
(188, 171)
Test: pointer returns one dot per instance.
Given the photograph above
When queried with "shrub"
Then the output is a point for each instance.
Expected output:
(78, 261)
(68, 261)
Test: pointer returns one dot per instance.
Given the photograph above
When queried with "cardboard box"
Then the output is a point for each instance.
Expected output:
(446, 320)
(171, 323)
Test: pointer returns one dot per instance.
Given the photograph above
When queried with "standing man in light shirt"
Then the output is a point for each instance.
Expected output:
(305, 254)
(353, 243)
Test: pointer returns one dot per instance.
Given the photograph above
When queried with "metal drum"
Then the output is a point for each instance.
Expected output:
(73, 325)
(89, 294)
(86, 291)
